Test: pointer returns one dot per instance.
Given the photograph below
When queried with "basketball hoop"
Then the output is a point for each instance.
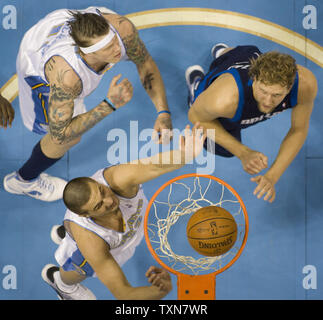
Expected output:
(165, 221)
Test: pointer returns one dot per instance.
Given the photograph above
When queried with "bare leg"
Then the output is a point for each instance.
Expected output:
(225, 51)
(71, 277)
(53, 150)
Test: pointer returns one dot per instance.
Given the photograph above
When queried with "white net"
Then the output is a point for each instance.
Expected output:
(168, 217)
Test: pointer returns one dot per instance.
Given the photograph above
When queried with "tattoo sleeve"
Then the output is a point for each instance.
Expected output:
(148, 71)
(147, 81)
(136, 49)
(62, 126)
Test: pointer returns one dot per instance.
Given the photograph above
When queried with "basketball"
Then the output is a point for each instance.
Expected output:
(211, 231)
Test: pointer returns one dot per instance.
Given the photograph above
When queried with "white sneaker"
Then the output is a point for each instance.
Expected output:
(79, 293)
(215, 51)
(45, 187)
(57, 234)
(193, 75)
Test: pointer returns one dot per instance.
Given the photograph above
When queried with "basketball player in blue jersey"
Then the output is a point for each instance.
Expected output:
(244, 87)
(7, 112)
(61, 60)
(104, 225)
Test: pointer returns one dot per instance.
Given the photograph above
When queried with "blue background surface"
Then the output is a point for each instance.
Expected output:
(284, 236)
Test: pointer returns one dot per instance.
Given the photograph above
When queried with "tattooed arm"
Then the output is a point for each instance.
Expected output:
(148, 71)
(65, 86)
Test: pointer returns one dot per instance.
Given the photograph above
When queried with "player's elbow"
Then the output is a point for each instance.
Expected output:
(125, 292)
(192, 116)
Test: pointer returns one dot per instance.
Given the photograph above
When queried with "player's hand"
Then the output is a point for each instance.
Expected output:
(160, 278)
(120, 93)
(7, 113)
(192, 144)
(163, 129)
(265, 187)
(253, 161)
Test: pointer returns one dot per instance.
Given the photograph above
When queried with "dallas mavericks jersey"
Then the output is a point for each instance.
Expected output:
(50, 37)
(237, 62)
(122, 244)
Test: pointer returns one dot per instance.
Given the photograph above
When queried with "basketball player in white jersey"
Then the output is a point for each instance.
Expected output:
(61, 61)
(104, 224)
(7, 112)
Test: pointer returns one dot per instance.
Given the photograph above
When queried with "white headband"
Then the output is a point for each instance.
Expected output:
(99, 45)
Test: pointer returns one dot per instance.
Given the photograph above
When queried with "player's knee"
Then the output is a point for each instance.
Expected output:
(75, 141)
(65, 143)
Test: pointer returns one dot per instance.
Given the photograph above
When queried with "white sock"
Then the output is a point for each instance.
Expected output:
(61, 285)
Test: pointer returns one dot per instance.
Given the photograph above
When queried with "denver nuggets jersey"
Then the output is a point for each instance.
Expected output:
(237, 63)
(50, 37)
(122, 244)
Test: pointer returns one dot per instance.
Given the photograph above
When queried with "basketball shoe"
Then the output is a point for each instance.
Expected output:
(193, 75)
(45, 187)
(217, 49)
(57, 234)
(74, 292)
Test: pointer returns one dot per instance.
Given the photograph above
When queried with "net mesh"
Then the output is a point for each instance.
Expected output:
(168, 217)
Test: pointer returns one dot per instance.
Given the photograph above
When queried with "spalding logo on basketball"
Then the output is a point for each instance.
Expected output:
(212, 231)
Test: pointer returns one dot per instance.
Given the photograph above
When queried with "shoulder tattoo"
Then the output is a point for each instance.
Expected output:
(136, 49)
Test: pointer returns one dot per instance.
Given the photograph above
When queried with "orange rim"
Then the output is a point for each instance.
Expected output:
(152, 251)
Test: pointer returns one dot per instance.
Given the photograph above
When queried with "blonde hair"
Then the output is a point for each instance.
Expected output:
(274, 68)
(85, 26)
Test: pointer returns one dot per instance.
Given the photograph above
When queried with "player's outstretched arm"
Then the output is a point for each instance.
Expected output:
(149, 75)
(97, 253)
(294, 139)
(130, 175)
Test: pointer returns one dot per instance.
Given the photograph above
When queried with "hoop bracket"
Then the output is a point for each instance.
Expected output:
(200, 287)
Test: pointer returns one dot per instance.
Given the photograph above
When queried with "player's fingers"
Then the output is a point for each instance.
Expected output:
(150, 271)
(166, 136)
(250, 169)
(273, 197)
(268, 194)
(183, 142)
(265, 188)
(254, 169)
(199, 133)
(256, 179)
(196, 127)
(152, 278)
(155, 135)
(259, 186)
(188, 131)
(115, 79)
(264, 160)
(257, 164)
(126, 84)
